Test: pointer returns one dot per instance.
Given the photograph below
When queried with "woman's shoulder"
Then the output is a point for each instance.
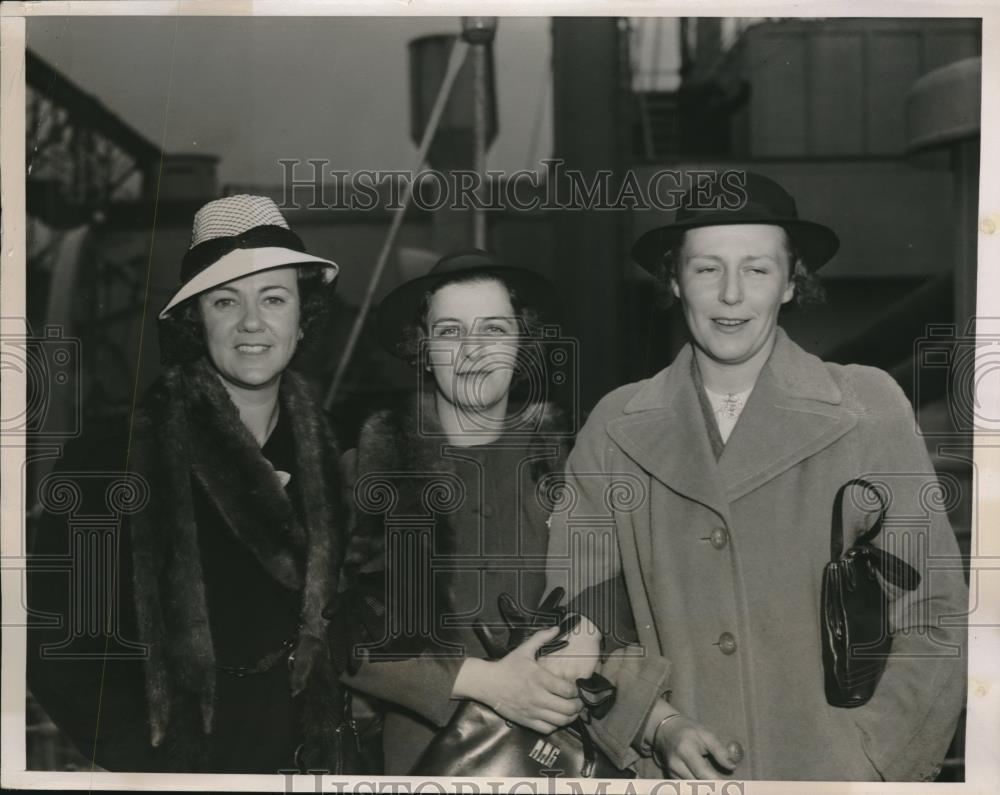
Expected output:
(388, 439)
(610, 407)
(869, 391)
(383, 436)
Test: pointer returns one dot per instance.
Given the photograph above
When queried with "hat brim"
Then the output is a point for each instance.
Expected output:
(399, 309)
(815, 242)
(244, 262)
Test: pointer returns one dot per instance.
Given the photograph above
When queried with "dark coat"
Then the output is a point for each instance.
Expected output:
(739, 545)
(484, 508)
(218, 568)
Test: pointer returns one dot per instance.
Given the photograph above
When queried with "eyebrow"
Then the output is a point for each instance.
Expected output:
(507, 318)
(747, 258)
(227, 289)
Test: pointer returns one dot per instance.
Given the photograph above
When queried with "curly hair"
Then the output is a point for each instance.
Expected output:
(529, 323)
(182, 333)
(808, 287)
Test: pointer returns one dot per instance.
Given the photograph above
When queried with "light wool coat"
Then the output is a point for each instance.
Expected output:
(722, 561)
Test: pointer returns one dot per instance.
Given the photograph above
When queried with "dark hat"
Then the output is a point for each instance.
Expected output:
(399, 308)
(726, 201)
(234, 237)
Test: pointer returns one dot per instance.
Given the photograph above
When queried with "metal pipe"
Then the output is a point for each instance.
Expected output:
(479, 32)
(480, 121)
(455, 61)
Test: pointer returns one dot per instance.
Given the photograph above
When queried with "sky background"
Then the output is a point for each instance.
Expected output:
(254, 90)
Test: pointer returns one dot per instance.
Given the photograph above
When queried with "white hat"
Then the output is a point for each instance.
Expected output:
(234, 237)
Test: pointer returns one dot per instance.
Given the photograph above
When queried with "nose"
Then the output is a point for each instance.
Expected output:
(251, 318)
(473, 348)
(476, 341)
(731, 288)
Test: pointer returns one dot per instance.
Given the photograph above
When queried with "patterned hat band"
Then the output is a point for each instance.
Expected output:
(212, 250)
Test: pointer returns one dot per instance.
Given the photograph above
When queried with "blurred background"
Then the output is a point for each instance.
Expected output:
(133, 123)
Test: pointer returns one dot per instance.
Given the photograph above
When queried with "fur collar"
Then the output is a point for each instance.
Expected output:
(189, 426)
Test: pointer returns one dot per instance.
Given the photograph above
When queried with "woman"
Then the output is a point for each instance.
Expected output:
(738, 450)
(233, 537)
(449, 491)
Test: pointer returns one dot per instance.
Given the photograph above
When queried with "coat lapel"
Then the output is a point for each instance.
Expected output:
(663, 432)
(794, 411)
(233, 474)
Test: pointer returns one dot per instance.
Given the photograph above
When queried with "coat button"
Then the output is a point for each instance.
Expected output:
(727, 643)
(735, 751)
(487, 510)
(719, 537)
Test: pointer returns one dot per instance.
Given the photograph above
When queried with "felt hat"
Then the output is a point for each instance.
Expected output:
(724, 202)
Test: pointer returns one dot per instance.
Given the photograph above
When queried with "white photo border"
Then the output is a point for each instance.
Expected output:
(982, 750)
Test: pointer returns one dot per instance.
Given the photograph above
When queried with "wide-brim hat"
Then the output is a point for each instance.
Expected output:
(739, 197)
(401, 307)
(237, 236)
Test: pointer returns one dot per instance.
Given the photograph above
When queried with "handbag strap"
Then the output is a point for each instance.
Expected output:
(893, 569)
(837, 527)
(589, 749)
(898, 572)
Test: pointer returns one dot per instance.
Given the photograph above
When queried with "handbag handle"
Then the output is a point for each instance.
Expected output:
(837, 529)
(893, 569)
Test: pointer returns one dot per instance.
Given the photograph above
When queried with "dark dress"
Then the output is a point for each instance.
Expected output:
(100, 702)
(491, 539)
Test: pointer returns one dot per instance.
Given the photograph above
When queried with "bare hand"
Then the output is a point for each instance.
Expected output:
(684, 746)
(522, 691)
(580, 657)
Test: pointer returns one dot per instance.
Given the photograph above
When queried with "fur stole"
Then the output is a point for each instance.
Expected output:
(404, 446)
(189, 435)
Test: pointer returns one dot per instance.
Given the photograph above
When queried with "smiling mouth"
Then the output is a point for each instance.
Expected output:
(727, 322)
(253, 350)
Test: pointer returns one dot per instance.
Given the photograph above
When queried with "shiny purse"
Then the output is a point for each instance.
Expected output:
(479, 742)
(856, 636)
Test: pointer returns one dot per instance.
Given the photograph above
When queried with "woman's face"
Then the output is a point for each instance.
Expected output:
(732, 280)
(252, 326)
(472, 343)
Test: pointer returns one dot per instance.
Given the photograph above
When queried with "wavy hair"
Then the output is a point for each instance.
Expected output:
(529, 321)
(182, 333)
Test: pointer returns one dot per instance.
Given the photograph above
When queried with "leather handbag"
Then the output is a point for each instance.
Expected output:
(856, 635)
(479, 742)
